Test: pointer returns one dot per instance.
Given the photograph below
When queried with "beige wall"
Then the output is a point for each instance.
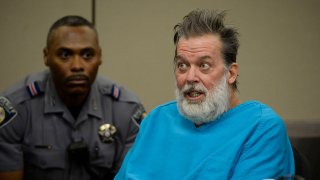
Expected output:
(277, 56)
(23, 30)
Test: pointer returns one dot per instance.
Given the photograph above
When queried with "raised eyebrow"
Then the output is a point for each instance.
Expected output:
(205, 58)
(178, 58)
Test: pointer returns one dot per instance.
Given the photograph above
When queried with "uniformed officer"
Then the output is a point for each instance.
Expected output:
(67, 122)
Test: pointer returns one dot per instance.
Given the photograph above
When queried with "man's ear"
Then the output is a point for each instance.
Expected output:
(46, 56)
(233, 73)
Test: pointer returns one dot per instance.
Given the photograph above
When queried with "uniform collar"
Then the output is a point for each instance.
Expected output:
(93, 103)
(53, 104)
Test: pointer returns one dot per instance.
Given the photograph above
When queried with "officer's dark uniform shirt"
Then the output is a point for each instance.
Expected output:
(39, 134)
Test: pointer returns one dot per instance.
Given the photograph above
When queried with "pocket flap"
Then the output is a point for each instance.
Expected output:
(46, 158)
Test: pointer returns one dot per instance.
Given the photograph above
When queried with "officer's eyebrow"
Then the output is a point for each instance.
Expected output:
(64, 49)
(71, 48)
(88, 49)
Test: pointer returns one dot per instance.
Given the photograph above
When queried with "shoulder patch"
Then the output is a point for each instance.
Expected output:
(139, 115)
(34, 89)
(7, 112)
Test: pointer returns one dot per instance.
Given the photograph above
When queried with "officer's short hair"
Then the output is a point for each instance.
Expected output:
(70, 20)
(203, 21)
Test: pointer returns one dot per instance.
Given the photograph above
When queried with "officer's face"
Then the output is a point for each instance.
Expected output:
(73, 57)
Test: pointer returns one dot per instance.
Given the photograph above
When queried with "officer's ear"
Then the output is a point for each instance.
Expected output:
(46, 56)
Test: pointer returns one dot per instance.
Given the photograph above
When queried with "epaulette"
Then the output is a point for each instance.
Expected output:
(129, 96)
(119, 93)
(34, 88)
(17, 94)
(115, 92)
(111, 90)
(32, 85)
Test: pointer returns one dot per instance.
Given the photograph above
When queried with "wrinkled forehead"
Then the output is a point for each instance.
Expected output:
(194, 44)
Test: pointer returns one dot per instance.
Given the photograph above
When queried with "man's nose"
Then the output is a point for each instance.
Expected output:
(77, 64)
(192, 75)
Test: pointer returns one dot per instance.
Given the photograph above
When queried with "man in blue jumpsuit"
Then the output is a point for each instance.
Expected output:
(67, 122)
(208, 133)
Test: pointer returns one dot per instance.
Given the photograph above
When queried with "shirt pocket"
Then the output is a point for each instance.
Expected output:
(44, 164)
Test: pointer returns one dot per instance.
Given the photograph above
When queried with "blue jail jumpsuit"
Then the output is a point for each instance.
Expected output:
(247, 142)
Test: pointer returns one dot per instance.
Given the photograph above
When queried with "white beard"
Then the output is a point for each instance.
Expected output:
(215, 103)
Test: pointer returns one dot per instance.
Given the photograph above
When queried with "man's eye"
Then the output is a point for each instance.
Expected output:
(182, 66)
(87, 55)
(64, 54)
(204, 66)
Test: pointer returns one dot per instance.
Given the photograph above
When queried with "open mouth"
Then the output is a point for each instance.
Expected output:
(194, 96)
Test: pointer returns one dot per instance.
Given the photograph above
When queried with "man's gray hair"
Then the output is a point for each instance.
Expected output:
(203, 21)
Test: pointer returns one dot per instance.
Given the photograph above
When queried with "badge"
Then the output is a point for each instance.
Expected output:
(2, 114)
(7, 112)
(106, 133)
